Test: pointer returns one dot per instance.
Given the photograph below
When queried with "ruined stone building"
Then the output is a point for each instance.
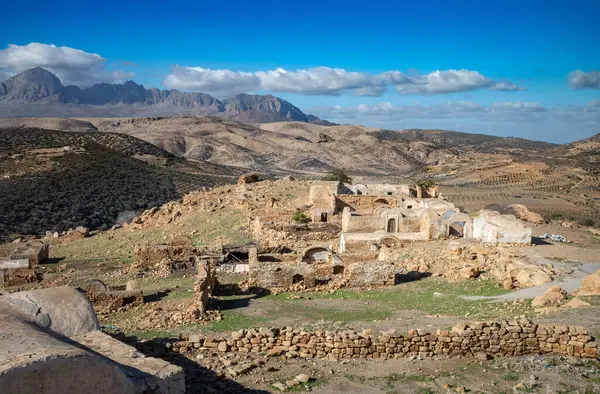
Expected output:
(18, 264)
(373, 213)
(317, 266)
(491, 226)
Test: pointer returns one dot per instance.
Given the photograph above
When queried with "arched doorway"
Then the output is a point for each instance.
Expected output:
(391, 225)
(457, 229)
(382, 202)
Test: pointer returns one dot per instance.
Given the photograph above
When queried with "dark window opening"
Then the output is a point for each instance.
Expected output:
(409, 206)
(457, 229)
(297, 279)
(338, 270)
(323, 216)
(389, 193)
(391, 226)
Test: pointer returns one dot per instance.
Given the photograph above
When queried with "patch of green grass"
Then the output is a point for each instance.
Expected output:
(431, 296)
(394, 377)
(178, 287)
(309, 386)
(594, 300)
(356, 378)
(233, 321)
(511, 377)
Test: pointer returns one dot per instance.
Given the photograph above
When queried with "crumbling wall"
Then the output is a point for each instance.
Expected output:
(361, 224)
(112, 301)
(375, 189)
(322, 194)
(366, 203)
(206, 282)
(277, 274)
(482, 339)
(371, 273)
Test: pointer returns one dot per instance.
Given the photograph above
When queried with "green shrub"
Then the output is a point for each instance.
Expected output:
(299, 217)
(338, 175)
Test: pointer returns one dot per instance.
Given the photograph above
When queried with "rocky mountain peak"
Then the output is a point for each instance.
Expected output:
(39, 85)
(32, 85)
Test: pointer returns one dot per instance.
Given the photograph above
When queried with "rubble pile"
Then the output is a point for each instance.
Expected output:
(470, 261)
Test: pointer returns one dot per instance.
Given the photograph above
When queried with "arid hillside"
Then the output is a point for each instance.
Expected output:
(54, 180)
(299, 147)
(474, 170)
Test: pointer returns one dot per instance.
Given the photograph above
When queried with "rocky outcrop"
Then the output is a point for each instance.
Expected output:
(590, 285)
(522, 212)
(554, 297)
(51, 343)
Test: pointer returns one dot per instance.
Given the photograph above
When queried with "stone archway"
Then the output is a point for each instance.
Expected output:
(382, 202)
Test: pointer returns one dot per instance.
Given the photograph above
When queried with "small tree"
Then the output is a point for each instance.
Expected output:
(299, 217)
(425, 184)
(338, 175)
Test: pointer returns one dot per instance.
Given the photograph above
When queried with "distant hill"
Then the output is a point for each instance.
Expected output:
(299, 147)
(584, 154)
(37, 92)
(55, 180)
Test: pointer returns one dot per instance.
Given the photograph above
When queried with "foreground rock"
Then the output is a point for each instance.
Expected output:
(51, 343)
(590, 285)
(522, 212)
(554, 297)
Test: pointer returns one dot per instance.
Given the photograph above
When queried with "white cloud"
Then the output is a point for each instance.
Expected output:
(507, 86)
(318, 80)
(70, 65)
(519, 106)
(581, 80)
(330, 81)
(445, 82)
(216, 82)
(523, 119)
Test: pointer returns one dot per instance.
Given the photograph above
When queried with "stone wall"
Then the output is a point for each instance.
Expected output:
(322, 194)
(481, 339)
(366, 203)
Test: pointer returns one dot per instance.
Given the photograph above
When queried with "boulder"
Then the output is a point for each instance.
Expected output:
(590, 285)
(468, 273)
(522, 212)
(555, 296)
(454, 248)
(132, 285)
(577, 303)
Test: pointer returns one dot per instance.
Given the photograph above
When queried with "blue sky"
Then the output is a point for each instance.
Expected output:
(509, 60)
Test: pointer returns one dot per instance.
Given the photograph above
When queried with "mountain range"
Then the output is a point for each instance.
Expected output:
(38, 92)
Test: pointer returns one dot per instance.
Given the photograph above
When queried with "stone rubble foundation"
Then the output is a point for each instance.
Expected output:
(480, 339)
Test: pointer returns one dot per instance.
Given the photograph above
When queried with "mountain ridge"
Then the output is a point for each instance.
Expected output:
(38, 92)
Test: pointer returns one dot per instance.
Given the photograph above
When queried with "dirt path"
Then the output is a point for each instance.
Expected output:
(570, 281)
